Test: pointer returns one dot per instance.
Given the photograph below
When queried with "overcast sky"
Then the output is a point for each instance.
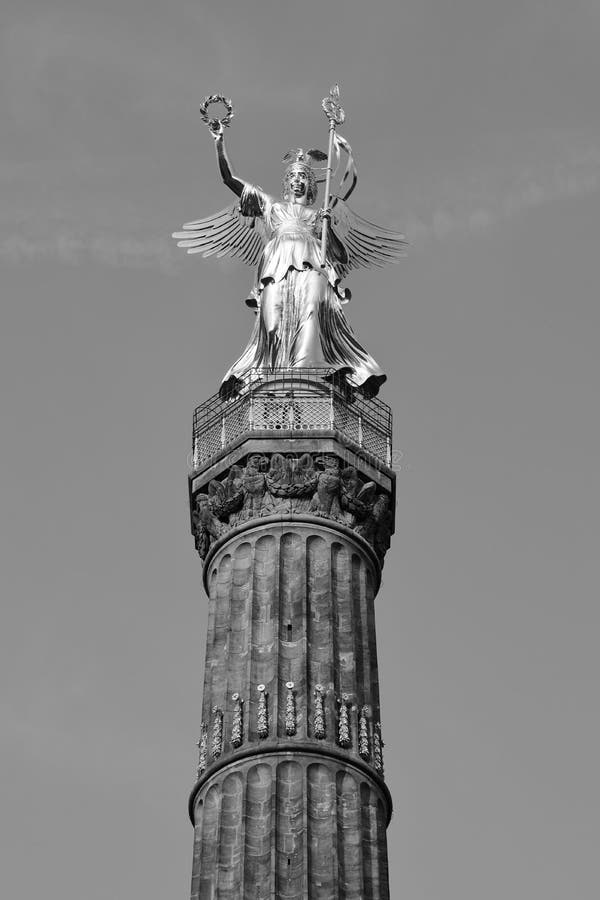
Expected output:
(476, 129)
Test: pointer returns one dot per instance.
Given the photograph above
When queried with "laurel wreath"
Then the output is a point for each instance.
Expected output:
(300, 489)
(217, 98)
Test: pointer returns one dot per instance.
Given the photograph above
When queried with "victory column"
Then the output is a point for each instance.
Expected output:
(292, 509)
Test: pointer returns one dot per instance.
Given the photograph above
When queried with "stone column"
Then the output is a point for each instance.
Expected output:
(290, 802)
(291, 496)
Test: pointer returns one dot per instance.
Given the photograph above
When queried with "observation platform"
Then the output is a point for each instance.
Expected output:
(291, 404)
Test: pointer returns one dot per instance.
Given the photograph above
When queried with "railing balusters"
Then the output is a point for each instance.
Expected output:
(296, 400)
(331, 409)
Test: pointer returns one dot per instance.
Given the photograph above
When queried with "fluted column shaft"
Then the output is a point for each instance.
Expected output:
(290, 801)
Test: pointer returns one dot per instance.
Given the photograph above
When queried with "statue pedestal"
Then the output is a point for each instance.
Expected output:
(293, 524)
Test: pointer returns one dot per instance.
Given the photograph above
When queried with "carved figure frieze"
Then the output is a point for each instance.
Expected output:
(316, 484)
(256, 499)
(355, 497)
(207, 527)
(227, 496)
(326, 499)
(377, 525)
(291, 482)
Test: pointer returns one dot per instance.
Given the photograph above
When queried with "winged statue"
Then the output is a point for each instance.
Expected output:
(301, 254)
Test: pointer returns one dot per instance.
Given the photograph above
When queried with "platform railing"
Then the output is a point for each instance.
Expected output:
(296, 401)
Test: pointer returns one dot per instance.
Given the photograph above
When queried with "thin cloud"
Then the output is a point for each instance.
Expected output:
(469, 203)
(481, 202)
(69, 249)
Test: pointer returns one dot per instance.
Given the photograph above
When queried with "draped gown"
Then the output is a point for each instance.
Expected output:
(300, 322)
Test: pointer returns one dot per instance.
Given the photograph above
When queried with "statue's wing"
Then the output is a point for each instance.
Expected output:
(366, 244)
(226, 233)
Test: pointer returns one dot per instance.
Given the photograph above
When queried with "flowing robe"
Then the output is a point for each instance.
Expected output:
(300, 322)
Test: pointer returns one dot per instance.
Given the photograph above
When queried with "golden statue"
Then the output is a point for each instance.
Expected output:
(301, 254)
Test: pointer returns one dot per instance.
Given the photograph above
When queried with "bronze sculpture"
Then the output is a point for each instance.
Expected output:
(301, 254)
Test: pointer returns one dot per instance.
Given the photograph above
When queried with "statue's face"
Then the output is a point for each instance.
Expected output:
(298, 183)
(297, 186)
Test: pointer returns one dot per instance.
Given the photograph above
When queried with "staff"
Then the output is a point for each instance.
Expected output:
(336, 115)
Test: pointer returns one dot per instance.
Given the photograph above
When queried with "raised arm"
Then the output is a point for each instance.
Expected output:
(229, 178)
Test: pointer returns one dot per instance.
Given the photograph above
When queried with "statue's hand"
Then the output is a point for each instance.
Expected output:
(322, 214)
(216, 128)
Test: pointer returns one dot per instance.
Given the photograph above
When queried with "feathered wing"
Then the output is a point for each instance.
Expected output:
(366, 244)
(226, 233)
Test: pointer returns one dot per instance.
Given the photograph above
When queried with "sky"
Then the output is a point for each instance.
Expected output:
(476, 130)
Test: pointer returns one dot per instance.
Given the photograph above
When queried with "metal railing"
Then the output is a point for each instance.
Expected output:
(300, 401)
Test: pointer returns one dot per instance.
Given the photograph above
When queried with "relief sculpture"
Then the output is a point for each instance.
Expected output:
(313, 484)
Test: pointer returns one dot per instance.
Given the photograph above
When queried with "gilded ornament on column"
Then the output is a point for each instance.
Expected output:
(262, 713)
(202, 749)
(319, 717)
(344, 739)
(364, 751)
(290, 710)
(217, 732)
(237, 726)
(378, 748)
